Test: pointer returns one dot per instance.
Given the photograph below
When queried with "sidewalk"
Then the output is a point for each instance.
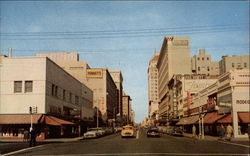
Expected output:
(5, 140)
(241, 141)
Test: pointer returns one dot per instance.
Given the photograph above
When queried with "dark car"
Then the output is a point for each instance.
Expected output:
(153, 132)
(175, 131)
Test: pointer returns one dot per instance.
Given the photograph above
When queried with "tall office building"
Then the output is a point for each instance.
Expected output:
(118, 79)
(153, 88)
(174, 59)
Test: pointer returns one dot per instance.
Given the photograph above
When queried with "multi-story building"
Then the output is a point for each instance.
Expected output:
(153, 88)
(126, 104)
(98, 80)
(183, 87)
(202, 64)
(105, 91)
(40, 83)
(224, 102)
(118, 79)
(174, 59)
(234, 62)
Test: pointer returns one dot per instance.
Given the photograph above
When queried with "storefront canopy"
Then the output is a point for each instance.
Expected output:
(51, 120)
(36, 119)
(212, 117)
(189, 120)
(19, 118)
(243, 117)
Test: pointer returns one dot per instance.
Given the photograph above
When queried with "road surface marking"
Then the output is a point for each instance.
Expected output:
(137, 135)
(231, 143)
(22, 150)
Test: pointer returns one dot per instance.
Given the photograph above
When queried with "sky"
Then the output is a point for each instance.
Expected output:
(123, 34)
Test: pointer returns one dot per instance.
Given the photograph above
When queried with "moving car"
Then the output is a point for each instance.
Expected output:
(153, 132)
(127, 131)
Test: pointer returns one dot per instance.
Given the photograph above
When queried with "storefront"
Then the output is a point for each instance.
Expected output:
(46, 126)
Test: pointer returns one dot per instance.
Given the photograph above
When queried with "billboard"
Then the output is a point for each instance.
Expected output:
(94, 73)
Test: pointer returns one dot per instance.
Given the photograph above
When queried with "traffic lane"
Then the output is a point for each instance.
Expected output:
(115, 145)
(10, 147)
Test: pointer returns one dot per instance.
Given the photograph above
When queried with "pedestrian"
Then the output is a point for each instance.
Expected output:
(194, 131)
(32, 138)
(221, 132)
(25, 136)
(229, 132)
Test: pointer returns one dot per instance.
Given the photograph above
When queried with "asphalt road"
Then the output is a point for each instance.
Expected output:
(141, 145)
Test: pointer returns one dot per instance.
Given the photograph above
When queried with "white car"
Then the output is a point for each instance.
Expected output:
(93, 133)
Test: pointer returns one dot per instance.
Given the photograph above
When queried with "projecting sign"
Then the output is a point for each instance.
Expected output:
(94, 73)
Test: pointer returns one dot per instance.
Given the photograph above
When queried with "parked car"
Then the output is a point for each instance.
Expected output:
(153, 132)
(175, 131)
(117, 129)
(92, 133)
(127, 131)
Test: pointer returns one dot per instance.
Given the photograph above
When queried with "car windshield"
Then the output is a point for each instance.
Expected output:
(125, 128)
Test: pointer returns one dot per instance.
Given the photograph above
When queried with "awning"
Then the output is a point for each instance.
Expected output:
(19, 118)
(54, 121)
(243, 117)
(36, 119)
(188, 120)
(212, 117)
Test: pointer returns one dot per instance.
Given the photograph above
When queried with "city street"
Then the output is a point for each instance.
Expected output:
(140, 145)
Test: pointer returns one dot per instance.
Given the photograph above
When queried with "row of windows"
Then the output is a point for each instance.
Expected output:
(202, 58)
(54, 91)
(18, 86)
(239, 65)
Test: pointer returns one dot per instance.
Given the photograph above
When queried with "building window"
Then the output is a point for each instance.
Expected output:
(198, 58)
(245, 65)
(64, 94)
(17, 86)
(76, 100)
(239, 65)
(202, 58)
(56, 91)
(208, 69)
(28, 86)
(207, 58)
(233, 65)
(199, 68)
(70, 97)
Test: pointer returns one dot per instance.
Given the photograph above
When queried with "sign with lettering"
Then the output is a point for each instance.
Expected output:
(180, 43)
(242, 101)
(94, 73)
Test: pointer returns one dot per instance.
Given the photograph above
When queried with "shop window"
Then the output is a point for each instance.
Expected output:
(28, 86)
(17, 86)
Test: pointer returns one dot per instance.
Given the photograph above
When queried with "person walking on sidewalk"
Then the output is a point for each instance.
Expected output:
(25, 136)
(229, 132)
(194, 131)
(221, 132)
